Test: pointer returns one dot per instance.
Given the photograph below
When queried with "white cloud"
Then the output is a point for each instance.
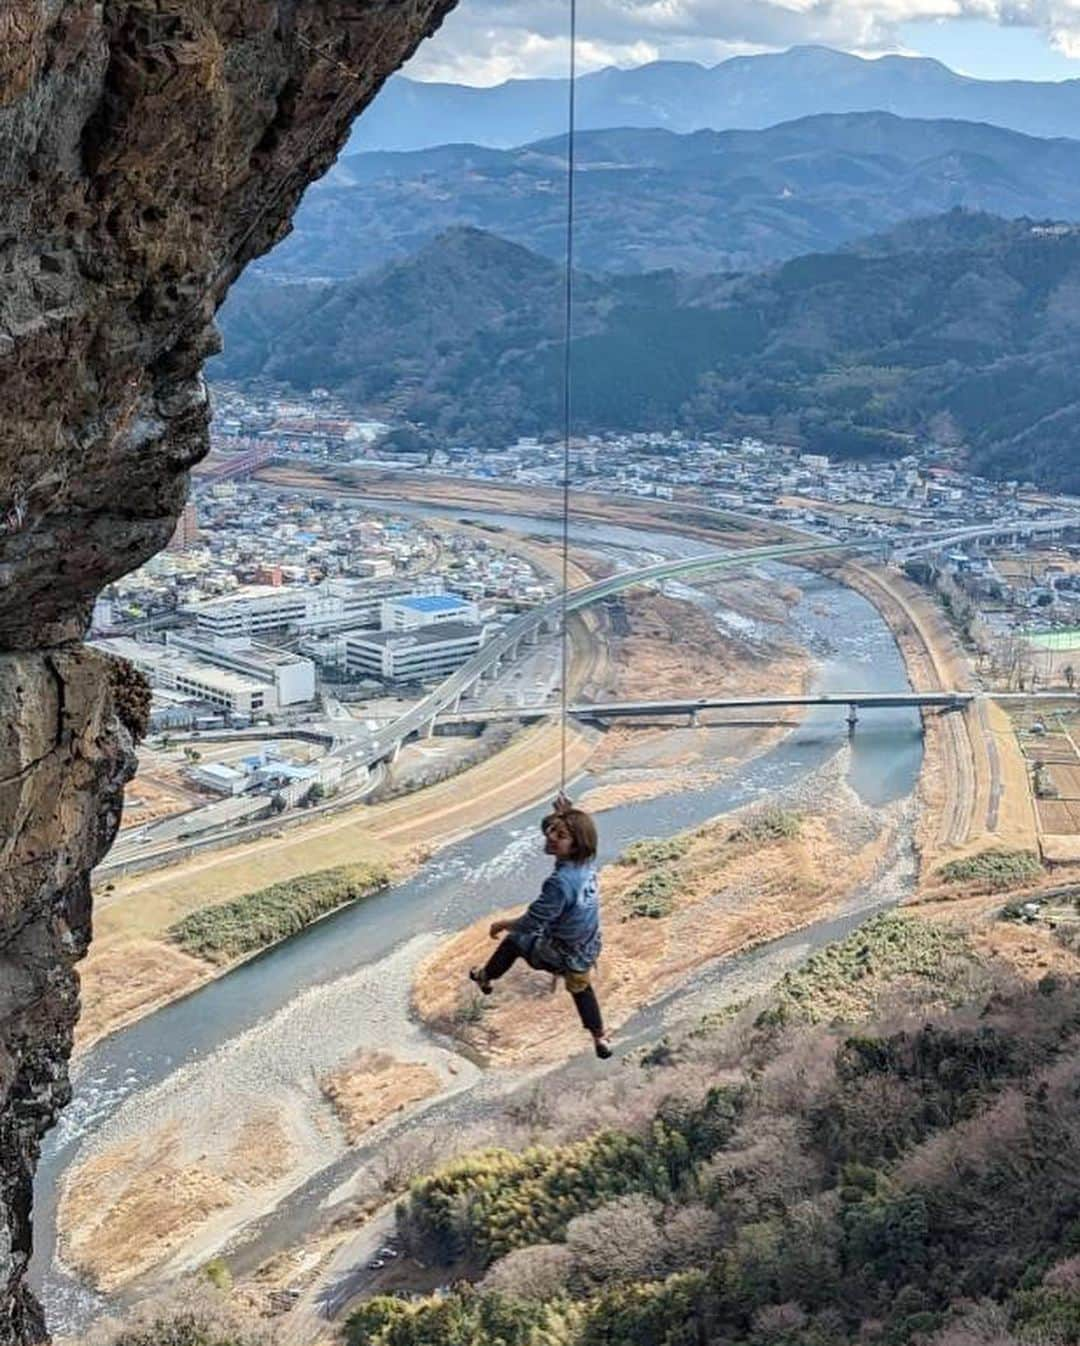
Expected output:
(486, 41)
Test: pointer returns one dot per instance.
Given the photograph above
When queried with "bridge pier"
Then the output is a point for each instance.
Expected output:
(694, 718)
(852, 717)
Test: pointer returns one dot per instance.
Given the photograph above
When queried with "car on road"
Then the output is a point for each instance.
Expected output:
(376, 1264)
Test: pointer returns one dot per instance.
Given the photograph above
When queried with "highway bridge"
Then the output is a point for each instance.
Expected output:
(385, 743)
(421, 718)
(1003, 529)
(611, 710)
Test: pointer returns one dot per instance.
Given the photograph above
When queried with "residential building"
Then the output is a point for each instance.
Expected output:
(186, 532)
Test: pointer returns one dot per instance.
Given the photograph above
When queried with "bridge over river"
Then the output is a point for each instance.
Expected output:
(854, 701)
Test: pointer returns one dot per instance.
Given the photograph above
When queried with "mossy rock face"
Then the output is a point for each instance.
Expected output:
(131, 696)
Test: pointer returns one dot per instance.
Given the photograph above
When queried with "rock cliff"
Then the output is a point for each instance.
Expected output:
(148, 150)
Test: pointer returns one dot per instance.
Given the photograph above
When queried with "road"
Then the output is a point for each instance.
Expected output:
(361, 750)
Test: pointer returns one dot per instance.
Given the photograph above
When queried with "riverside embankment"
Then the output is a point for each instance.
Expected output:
(200, 1056)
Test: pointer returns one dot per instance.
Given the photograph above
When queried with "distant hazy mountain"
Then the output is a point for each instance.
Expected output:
(747, 92)
(962, 325)
(710, 201)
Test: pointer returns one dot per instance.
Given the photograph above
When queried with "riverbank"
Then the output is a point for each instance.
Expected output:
(669, 647)
(716, 891)
(163, 1184)
(264, 1021)
(133, 969)
(167, 1180)
(974, 791)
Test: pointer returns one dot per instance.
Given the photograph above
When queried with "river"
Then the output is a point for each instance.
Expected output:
(854, 650)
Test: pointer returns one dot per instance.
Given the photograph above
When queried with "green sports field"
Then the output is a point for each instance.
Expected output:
(1057, 640)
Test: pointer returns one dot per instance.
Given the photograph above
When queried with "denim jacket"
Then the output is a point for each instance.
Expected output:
(560, 931)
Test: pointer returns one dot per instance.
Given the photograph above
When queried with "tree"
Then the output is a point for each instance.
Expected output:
(195, 1315)
(621, 1241)
(540, 1272)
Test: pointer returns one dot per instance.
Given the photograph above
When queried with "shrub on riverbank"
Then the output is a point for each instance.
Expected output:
(994, 870)
(257, 920)
(655, 850)
(654, 896)
(767, 824)
(847, 979)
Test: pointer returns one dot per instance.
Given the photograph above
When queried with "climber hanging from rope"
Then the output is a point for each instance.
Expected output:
(559, 932)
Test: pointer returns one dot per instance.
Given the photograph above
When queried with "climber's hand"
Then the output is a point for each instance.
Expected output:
(497, 928)
(563, 803)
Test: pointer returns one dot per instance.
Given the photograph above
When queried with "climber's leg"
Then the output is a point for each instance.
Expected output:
(588, 1008)
(500, 962)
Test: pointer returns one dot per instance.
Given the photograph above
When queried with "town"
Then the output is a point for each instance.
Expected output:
(310, 617)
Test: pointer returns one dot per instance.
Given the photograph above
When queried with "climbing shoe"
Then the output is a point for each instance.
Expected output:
(476, 974)
(603, 1048)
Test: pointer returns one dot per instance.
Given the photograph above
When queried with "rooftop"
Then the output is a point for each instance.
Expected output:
(246, 594)
(162, 659)
(431, 603)
(443, 633)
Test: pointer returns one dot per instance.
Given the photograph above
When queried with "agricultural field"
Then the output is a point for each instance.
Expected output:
(1051, 747)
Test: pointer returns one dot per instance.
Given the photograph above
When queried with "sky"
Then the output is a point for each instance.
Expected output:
(487, 41)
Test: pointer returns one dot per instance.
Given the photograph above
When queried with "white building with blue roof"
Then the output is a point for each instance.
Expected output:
(411, 612)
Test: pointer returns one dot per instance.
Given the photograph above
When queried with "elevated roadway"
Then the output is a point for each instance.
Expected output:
(385, 742)
(1004, 528)
(853, 701)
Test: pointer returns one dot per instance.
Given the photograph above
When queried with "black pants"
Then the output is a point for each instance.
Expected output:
(588, 1007)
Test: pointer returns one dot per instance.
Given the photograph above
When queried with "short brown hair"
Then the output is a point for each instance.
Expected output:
(582, 831)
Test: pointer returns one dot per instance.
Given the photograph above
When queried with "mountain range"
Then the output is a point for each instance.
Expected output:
(703, 202)
(964, 326)
(746, 92)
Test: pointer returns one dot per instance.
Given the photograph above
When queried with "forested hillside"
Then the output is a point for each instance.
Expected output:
(962, 326)
(704, 202)
(773, 1181)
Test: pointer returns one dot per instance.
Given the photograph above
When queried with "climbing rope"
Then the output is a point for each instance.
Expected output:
(568, 321)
